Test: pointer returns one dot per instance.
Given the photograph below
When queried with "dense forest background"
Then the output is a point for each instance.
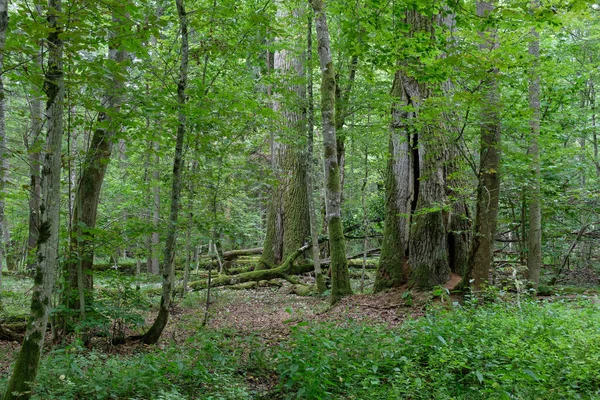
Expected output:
(442, 147)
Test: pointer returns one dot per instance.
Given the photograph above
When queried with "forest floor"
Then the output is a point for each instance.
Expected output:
(257, 338)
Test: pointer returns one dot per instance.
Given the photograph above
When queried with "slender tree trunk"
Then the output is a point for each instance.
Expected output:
(33, 147)
(314, 235)
(534, 254)
(340, 281)
(26, 365)
(400, 188)
(342, 100)
(488, 189)
(3, 29)
(153, 264)
(153, 334)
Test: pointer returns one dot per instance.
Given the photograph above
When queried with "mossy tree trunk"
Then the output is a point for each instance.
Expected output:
(400, 187)
(79, 268)
(26, 366)
(488, 188)
(153, 334)
(534, 253)
(288, 222)
(340, 281)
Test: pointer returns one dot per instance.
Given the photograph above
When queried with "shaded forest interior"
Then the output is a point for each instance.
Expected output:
(274, 182)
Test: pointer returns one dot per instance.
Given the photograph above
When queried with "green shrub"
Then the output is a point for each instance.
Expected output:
(500, 351)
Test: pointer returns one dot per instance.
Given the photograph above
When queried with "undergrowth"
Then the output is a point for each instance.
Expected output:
(535, 350)
(499, 351)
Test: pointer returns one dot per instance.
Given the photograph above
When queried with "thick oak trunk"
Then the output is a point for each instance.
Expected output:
(288, 222)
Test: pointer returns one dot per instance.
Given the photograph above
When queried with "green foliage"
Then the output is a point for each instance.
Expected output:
(204, 367)
(500, 351)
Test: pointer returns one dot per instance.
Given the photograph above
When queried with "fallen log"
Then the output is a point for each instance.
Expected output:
(9, 335)
(284, 271)
(229, 255)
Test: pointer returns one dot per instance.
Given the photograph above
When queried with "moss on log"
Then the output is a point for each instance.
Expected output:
(282, 272)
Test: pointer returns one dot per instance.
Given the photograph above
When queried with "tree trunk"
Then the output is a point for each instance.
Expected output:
(459, 221)
(33, 147)
(342, 99)
(26, 365)
(79, 269)
(153, 334)
(3, 29)
(284, 271)
(340, 281)
(314, 235)
(534, 254)
(488, 188)
(400, 187)
(152, 261)
(289, 224)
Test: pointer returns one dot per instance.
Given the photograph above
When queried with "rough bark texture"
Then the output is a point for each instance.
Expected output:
(488, 188)
(399, 195)
(26, 365)
(459, 219)
(79, 269)
(534, 255)
(428, 253)
(153, 334)
(288, 224)
(340, 281)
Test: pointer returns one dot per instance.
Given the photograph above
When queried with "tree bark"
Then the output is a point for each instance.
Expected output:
(534, 254)
(340, 281)
(79, 269)
(314, 235)
(153, 334)
(3, 29)
(287, 268)
(33, 146)
(289, 222)
(400, 187)
(480, 256)
(26, 365)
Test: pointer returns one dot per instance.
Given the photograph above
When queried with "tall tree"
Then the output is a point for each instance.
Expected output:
(3, 29)
(314, 235)
(534, 254)
(288, 217)
(340, 281)
(399, 194)
(26, 365)
(153, 334)
(87, 196)
(481, 251)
